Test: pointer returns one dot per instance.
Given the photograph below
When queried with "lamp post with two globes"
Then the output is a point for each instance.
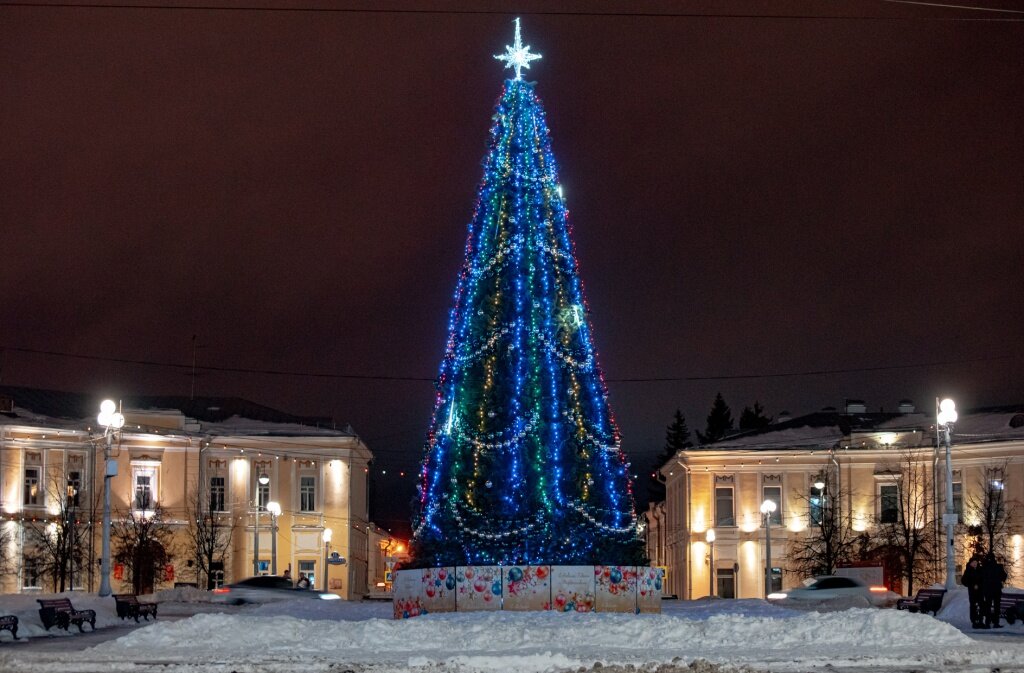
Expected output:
(328, 534)
(767, 507)
(112, 421)
(275, 511)
(710, 537)
(944, 417)
(263, 480)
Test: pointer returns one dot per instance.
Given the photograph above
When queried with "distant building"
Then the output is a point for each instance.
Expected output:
(865, 457)
(192, 459)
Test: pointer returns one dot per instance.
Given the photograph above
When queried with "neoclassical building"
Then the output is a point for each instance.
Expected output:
(872, 460)
(224, 459)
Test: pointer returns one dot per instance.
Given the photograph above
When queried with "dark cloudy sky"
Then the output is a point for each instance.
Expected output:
(751, 195)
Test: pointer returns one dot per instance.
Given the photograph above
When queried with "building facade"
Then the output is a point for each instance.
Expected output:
(875, 471)
(195, 469)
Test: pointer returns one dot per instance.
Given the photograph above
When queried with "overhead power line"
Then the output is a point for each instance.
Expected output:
(385, 377)
(456, 12)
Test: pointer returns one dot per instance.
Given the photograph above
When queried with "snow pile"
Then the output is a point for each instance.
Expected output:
(535, 641)
(313, 636)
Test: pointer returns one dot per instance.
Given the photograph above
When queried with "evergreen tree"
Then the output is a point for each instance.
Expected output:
(719, 422)
(754, 419)
(522, 461)
(677, 438)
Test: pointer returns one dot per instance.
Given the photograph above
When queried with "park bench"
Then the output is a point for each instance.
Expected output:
(926, 600)
(10, 623)
(128, 605)
(59, 611)
(1011, 607)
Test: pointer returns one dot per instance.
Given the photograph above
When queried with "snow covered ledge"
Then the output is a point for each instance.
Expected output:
(633, 589)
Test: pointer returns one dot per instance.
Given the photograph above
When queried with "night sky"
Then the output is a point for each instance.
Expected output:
(750, 195)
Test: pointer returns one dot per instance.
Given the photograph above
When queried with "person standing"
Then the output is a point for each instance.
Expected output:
(992, 577)
(972, 580)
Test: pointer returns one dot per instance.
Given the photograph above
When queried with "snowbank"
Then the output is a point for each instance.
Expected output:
(305, 635)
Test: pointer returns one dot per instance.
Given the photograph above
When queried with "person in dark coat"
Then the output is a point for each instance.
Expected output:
(992, 577)
(972, 580)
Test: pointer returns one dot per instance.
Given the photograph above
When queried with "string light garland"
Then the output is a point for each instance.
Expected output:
(523, 461)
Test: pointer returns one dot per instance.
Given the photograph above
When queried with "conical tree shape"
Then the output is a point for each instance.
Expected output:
(523, 461)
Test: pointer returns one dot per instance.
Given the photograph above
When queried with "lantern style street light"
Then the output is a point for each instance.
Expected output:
(945, 416)
(767, 507)
(710, 537)
(112, 421)
(328, 534)
(275, 511)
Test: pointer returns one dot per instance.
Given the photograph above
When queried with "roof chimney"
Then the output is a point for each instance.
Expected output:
(907, 406)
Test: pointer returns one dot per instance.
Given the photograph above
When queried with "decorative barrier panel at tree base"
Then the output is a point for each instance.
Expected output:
(635, 589)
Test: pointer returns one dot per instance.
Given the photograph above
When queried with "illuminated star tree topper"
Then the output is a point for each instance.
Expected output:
(517, 56)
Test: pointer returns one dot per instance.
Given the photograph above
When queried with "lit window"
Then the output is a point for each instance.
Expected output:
(144, 478)
(307, 494)
(217, 487)
(31, 485)
(773, 493)
(724, 515)
(74, 488)
(888, 503)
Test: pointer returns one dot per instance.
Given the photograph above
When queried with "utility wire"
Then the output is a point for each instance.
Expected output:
(381, 377)
(456, 12)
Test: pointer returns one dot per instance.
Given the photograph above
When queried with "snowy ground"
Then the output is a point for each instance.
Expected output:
(706, 636)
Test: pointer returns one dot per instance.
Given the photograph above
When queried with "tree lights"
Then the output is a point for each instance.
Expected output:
(522, 462)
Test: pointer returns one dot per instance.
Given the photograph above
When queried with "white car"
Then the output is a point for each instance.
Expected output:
(832, 587)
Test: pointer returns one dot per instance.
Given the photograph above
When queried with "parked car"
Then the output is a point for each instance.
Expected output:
(832, 587)
(265, 589)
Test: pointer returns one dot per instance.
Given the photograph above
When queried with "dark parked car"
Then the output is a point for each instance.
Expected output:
(265, 589)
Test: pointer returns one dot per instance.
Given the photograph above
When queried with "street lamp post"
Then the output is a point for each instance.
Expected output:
(767, 507)
(328, 534)
(112, 421)
(945, 416)
(710, 537)
(275, 511)
(262, 480)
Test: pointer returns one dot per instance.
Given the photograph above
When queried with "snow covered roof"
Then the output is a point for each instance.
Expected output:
(218, 415)
(831, 428)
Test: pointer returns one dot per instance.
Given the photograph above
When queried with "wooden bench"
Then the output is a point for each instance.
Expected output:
(128, 605)
(1011, 607)
(926, 600)
(10, 623)
(59, 611)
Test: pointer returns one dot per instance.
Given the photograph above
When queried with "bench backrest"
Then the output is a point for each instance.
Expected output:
(54, 602)
(126, 598)
(931, 593)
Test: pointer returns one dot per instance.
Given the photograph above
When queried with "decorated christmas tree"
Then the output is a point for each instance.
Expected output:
(523, 463)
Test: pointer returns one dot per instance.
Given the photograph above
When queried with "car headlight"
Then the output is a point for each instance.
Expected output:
(776, 596)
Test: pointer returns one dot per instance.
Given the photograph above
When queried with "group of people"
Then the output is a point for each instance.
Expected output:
(984, 581)
(303, 582)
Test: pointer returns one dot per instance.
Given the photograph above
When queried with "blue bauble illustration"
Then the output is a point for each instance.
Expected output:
(515, 574)
(615, 575)
(496, 588)
(657, 584)
(449, 582)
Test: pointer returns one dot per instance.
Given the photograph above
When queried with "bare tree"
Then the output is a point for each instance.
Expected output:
(55, 544)
(210, 530)
(142, 544)
(903, 537)
(990, 514)
(829, 540)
